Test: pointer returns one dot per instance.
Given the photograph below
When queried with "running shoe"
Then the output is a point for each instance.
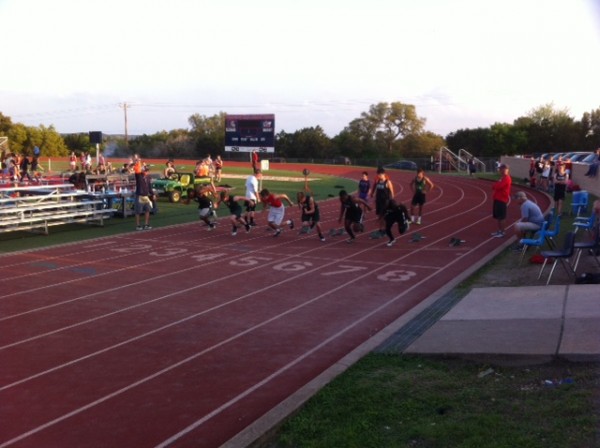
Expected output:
(139, 228)
(350, 240)
(234, 233)
(277, 233)
(322, 239)
(247, 228)
(291, 224)
(146, 227)
(419, 221)
(498, 234)
(391, 242)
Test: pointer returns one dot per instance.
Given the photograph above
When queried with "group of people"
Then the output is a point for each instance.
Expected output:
(532, 217)
(84, 162)
(389, 212)
(18, 167)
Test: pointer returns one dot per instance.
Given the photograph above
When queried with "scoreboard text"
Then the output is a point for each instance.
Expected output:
(247, 133)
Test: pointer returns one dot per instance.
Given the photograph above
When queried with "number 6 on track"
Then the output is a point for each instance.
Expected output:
(396, 276)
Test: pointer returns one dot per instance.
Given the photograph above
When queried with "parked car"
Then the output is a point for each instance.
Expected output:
(178, 185)
(403, 165)
(589, 159)
(579, 156)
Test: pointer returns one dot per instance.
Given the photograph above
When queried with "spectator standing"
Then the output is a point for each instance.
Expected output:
(501, 197)
(472, 167)
(255, 160)
(218, 168)
(73, 162)
(593, 169)
(144, 197)
(561, 178)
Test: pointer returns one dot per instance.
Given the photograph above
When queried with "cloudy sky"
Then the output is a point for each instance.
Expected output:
(463, 63)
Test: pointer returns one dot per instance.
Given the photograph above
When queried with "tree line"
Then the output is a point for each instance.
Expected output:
(385, 131)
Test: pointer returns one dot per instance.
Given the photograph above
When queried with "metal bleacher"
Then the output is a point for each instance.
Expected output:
(38, 207)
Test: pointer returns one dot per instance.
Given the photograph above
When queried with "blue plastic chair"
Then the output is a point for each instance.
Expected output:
(536, 242)
(552, 233)
(561, 255)
(580, 202)
(585, 223)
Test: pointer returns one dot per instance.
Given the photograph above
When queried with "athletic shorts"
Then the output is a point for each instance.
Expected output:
(499, 210)
(559, 192)
(236, 211)
(418, 198)
(250, 206)
(314, 217)
(204, 212)
(276, 215)
(354, 215)
(381, 207)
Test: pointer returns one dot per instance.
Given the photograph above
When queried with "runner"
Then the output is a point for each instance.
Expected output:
(383, 190)
(276, 209)
(310, 213)
(235, 209)
(364, 187)
(206, 210)
(352, 213)
(419, 186)
(395, 213)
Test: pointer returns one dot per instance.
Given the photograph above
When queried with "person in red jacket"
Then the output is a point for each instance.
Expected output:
(501, 197)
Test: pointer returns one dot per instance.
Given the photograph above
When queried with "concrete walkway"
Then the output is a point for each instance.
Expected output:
(519, 324)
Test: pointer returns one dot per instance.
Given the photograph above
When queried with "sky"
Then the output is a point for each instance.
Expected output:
(75, 64)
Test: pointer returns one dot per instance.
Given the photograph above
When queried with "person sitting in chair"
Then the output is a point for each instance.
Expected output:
(532, 217)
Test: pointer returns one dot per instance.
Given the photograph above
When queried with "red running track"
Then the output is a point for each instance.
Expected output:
(183, 337)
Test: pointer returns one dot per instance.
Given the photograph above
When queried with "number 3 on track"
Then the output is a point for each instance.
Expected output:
(396, 276)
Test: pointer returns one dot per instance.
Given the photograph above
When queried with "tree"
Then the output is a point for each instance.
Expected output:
(208, 133)
(388, 122)
(384, 124)
(77, 143)
(423, 144)
(590, 130)
(305, 143)
(549, 130)
(5, 124)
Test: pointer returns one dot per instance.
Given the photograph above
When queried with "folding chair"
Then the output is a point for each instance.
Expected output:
(537, 242)
(561, 255)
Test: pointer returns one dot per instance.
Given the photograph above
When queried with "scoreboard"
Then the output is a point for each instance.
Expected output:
(247, 133)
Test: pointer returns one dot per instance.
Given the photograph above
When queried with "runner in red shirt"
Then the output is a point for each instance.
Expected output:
(276, 209)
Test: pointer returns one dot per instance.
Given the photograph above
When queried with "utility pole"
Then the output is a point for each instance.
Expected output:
(125, 106)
